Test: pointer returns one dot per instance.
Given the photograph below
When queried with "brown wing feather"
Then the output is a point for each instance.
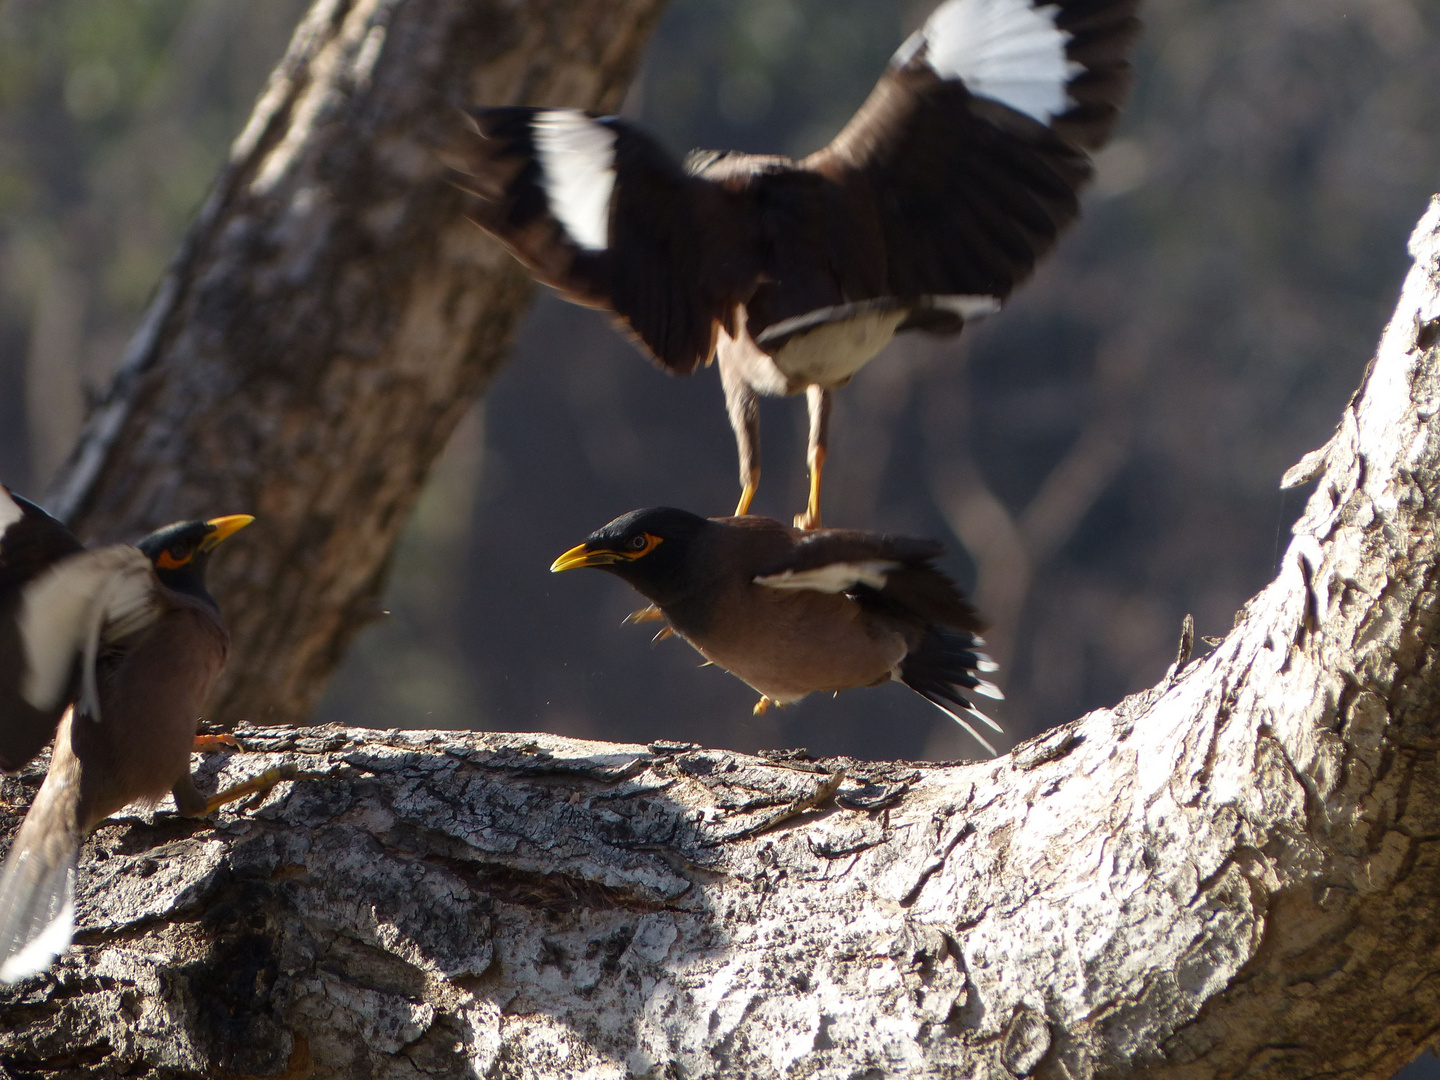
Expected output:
(915, 585)
(31, 543)
(153, 688)
(970, 193)
(679, 252)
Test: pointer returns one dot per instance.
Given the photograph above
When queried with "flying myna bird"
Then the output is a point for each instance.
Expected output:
(792, 612)
(930, 206)
(118, 647)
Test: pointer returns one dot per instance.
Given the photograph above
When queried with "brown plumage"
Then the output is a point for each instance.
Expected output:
(792, 612)
(937, 198)
(121, 646)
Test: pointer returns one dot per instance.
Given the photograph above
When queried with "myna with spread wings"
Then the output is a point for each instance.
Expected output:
(792, 612)
(929, 207)
(113, 651)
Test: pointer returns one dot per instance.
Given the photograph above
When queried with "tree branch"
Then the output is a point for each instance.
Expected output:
(331, 316)
(1233, 873)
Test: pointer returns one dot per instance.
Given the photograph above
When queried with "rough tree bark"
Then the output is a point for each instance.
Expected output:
(331, 316)
(1236, 872)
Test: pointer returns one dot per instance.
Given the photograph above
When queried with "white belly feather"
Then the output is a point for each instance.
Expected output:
(831, 353)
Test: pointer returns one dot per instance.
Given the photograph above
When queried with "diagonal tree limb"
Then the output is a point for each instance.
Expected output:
(330, 317)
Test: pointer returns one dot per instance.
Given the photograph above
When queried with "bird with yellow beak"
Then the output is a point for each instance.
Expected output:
(792, 612)
(114, 651)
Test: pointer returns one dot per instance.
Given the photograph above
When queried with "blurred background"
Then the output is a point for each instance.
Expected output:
(1101, 458)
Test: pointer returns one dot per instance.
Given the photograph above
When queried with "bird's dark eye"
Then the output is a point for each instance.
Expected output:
(636, 543)
(178, 552)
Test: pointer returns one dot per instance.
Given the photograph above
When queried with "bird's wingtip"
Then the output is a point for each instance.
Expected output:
(41, 950)
(37, 914)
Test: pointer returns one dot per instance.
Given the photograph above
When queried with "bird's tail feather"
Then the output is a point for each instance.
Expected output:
(945, 670)
(37, 889)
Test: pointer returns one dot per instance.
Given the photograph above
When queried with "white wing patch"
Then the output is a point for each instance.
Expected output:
(10, 511)
(577, 165)
(967, 307)
(67, 609)
(1007, 50)
(835, 578)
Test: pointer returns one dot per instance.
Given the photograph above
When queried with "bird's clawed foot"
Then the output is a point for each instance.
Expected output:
(810, 519)
(650, 613)
(255, 789)
(211, 744)
(763, 705)
(747, 495)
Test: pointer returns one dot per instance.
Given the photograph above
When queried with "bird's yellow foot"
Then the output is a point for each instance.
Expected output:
(810, 519)
(763, 705)
(257, 787)
(747, 496)
(209, 744)
(650, 613)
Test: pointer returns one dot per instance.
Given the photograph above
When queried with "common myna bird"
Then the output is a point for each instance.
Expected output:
(791, 612)
(927, 209)
(118, 647)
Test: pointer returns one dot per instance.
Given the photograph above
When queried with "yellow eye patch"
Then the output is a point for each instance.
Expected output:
(651, 543)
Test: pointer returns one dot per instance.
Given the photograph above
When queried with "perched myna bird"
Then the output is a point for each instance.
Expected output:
(118, 647)
(931, 205)
(793, 612)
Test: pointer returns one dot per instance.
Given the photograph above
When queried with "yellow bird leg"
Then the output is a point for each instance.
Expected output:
(649, 613)
(747, 495)
(209, 744)
(811, 518)
(661, 634)
(257, 786)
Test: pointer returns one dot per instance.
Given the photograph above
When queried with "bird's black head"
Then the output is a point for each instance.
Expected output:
(181, 552)
(650, 549)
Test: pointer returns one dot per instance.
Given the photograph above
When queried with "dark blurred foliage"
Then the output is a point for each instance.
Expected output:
(114, 115)
(1102, 457)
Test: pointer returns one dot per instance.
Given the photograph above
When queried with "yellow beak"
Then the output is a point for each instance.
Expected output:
(225, 527)
(580, 555)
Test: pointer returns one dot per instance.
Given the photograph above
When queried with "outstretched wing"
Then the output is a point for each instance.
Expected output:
(30, 540)
(972, 145)
(598, 210)
(56, 602)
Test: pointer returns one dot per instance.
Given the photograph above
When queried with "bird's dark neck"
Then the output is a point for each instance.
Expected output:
(688, 614)
(189, 580)
(188, 585)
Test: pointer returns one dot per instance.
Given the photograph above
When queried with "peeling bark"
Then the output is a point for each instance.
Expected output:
(1236, 872)
(331, 316)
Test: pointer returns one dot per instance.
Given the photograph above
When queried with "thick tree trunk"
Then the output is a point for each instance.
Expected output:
(1234, 873)
(331, 317)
